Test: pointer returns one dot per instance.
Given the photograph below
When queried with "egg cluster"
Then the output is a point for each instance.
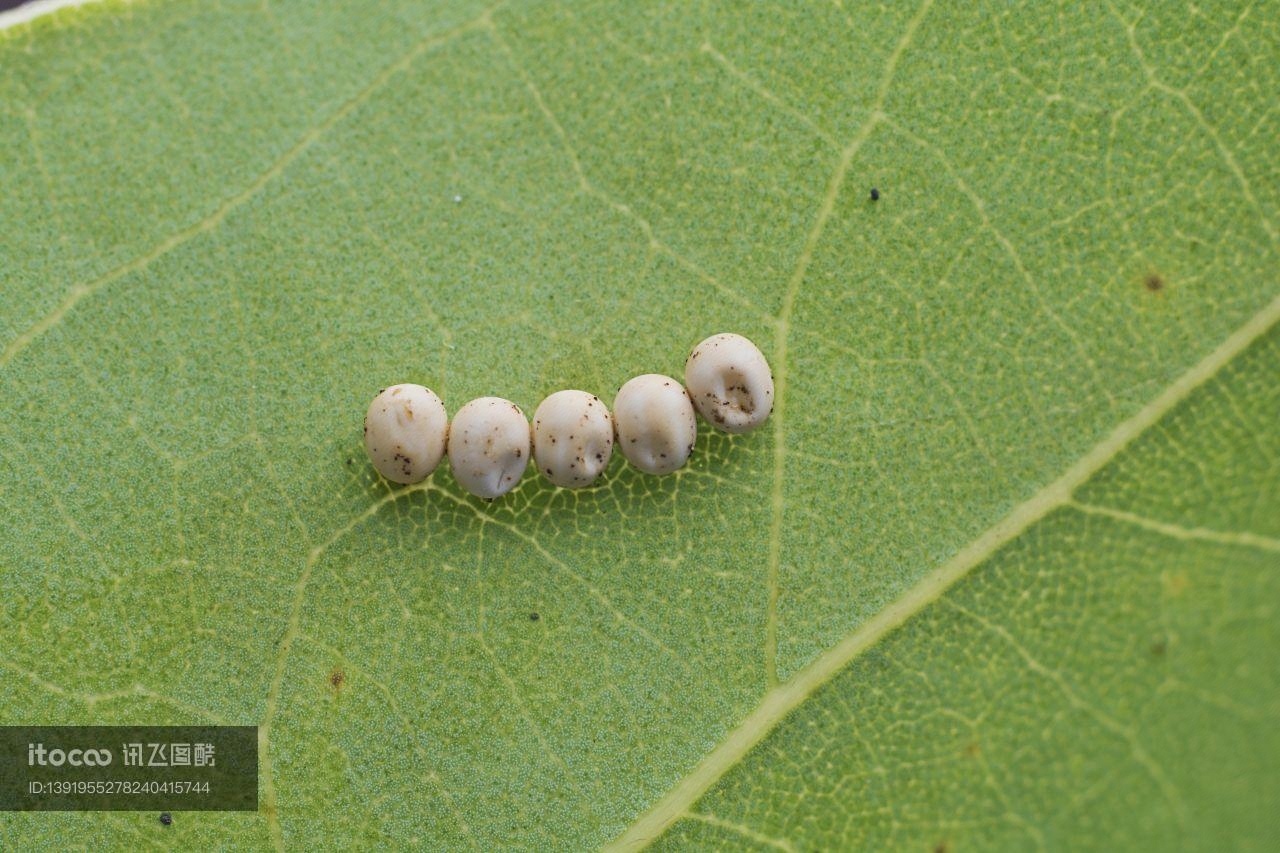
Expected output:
(490, 442)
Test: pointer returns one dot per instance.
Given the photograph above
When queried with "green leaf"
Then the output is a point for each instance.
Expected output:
(1001, 571)
(1105, 680)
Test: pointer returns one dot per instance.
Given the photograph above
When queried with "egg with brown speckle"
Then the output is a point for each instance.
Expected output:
(572, 438)
(656, 426)
(406, 430)
(730, 382)
(489, 446)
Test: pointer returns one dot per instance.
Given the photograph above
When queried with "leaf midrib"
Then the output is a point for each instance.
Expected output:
(780, 701)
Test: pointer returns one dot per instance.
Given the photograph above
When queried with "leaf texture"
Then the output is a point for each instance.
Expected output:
(1040, 368)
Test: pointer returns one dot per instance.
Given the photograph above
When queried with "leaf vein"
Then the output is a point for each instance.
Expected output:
(84, 290)
(780, 701)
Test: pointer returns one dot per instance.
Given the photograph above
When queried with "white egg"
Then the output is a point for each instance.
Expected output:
(730, 382)
(572, 438)
(655, 423)
(405, 432)
(489, 446)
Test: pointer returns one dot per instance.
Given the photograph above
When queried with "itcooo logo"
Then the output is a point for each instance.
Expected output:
(37, 755)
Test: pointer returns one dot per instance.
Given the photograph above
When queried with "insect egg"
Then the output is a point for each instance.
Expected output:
(405, 432)
(572, 438)
(489, 446)
(655, 423)
(730, 382)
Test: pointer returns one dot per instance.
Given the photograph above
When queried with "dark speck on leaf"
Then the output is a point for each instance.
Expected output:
(1154, 282)
(534, 617)
(166, 819)
(875, 194)
(1158, 648)
(350, 460)
(336, 678)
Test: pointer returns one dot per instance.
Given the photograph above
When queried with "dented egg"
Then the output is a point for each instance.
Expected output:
(572, 438)
(655, 423)
(730, 382)
(489, 446)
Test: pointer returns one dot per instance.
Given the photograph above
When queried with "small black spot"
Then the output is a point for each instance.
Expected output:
(350, 460)
(534, 617)
(336, 678)
(519, 452)
(1158, 648)
(941, 848)
(166, 819)
(1154, 282)
(875, 194)
(548, 472)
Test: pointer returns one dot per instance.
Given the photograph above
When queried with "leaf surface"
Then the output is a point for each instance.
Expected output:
(1027, 370)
